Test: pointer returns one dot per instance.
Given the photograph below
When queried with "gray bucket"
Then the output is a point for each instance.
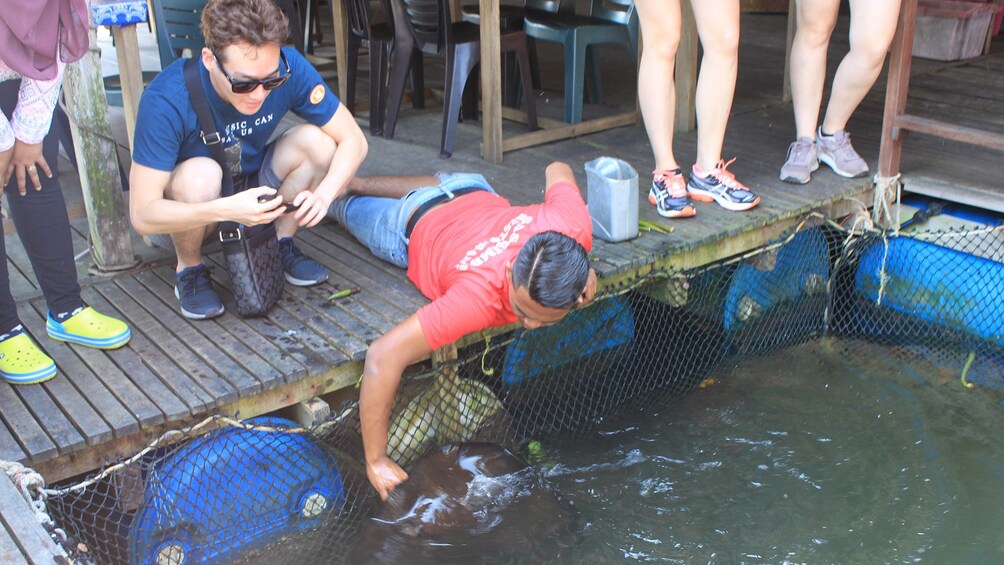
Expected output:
(612, 198)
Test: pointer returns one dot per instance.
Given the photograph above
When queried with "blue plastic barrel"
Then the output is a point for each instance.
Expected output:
(232, 490)
(936, 284)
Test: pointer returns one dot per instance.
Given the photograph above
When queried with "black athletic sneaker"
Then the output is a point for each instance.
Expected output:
(669, 194)
(722, 187)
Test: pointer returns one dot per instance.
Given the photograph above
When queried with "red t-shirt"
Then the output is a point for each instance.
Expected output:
(458, 253)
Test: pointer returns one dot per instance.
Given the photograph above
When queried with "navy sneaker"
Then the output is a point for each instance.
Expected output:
(194, 289)
(300, 269)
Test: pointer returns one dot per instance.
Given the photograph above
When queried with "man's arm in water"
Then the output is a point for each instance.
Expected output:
(386, 360)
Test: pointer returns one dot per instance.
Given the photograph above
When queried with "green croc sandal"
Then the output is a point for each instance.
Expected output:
(91, 328)
(23, 363)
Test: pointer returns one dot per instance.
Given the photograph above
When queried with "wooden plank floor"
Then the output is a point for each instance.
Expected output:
(176, 371)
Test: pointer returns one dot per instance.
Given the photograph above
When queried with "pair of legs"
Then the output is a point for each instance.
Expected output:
(298, 161)
(44, 230)
(873, 25)
(718, 28)
(377, 209)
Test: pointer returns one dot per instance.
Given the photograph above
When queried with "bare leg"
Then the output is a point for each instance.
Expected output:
(195, 180)
(389, 186)
(660, 29)
(302, 158)
(873, 25)
(718, 28)
(816, 19)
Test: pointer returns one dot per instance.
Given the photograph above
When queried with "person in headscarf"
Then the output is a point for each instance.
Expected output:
(37, 39)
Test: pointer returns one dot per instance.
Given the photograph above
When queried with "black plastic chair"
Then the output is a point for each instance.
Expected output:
(378, 38)
(511, 19)
(609, 21)
(425, 26)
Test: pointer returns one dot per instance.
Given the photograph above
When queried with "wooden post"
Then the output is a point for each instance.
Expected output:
(97, 161)
(491, 82)
(686, 70)
(897, 88)
(130, 74)
(341, 46)
(789, 40)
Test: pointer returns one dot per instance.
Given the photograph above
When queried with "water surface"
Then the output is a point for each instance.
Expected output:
(830, 452)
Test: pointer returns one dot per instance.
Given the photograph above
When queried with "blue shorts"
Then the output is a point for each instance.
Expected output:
(380, 223)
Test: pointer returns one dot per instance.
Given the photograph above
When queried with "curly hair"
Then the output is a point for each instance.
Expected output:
(258, 22)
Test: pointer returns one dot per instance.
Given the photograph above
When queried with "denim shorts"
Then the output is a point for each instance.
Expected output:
(380, 223)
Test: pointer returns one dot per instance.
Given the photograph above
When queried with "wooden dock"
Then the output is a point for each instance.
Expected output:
(105, 405)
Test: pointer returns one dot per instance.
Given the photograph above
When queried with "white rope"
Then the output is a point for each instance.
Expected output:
(882, 213)
(31, 485)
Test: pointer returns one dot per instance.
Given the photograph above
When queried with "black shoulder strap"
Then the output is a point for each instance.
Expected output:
(228, 230)
(206, 123)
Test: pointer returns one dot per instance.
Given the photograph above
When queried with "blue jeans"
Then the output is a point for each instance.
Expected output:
(379, 223)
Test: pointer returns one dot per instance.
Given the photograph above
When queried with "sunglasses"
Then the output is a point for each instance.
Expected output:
(246, 86)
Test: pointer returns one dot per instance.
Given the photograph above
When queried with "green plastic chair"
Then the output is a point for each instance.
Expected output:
(178, 27)
(609, 21)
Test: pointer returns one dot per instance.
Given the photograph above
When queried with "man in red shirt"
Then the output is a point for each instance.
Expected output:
(482, 262)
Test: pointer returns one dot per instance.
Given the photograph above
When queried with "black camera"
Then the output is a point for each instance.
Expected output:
(290, 207)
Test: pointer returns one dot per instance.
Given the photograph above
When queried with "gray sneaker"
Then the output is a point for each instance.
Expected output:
(836, 151)
(802, 160)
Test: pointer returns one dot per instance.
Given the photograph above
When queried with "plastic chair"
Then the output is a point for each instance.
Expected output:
(378, 38)
(178, 27)
(425, 25)
(609, 21)
(511, 19)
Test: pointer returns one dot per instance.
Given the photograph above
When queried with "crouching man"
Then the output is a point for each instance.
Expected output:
(251, 81)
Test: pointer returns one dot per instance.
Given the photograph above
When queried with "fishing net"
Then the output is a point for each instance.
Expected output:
(265, 489)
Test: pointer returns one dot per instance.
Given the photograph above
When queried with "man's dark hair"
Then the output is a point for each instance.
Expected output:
(553, 267)
(257, 22)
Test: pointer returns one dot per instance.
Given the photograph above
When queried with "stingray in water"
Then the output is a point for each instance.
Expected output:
(469, 503)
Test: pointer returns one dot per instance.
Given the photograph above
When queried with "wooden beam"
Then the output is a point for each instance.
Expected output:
(730, 247)
(569, 130)
(773, 6)
(686, 71)
(130, 74)
(947, 130)
(91, 458)
(789, 40)
(491, 82)
(897, 89)
(97, 161)
(514, 115)
(341, 26)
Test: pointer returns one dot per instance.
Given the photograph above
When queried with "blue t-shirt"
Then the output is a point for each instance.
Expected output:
(167, 129)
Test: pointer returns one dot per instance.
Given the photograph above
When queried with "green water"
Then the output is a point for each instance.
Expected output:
(830, 452)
